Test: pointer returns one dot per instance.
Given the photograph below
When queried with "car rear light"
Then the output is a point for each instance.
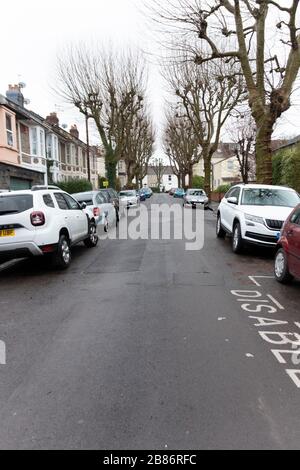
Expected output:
(48, 248)
(37, 219)
(96, 212)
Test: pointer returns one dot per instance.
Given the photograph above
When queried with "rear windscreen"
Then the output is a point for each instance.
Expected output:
(15, 204)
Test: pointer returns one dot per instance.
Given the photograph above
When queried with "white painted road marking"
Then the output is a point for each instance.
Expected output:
(253, 279)
(2, 353)
(255, 301)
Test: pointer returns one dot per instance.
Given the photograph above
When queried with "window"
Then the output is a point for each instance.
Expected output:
(48, 200)
(61, 201)
(34, 141)
(72, 204)
(230, 165)
(72, 154)
(295, 219)
(234, 192)
(55, 147)
(15, 204)
(270, 197)
(106, 196)
(68, 154)
(9, 130)
(100, 199)
(170, 178)
(42, 142)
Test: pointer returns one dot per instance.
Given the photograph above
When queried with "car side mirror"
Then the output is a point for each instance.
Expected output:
(83, 205)
(232, 200)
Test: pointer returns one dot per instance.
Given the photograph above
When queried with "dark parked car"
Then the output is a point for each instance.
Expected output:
(287, 260)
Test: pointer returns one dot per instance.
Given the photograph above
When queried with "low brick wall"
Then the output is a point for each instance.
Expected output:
(217, 197)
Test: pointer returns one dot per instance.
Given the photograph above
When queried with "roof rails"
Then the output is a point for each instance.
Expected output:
(43, 188)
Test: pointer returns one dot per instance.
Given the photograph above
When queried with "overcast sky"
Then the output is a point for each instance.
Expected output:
(32, 33)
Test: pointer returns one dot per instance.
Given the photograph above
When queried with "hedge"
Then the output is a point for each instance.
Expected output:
(75, 186)
(286, 167)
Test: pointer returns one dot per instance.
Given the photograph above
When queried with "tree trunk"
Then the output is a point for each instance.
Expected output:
(179, 180)
(264, 151)
(191, 177)
(111, 169)
(207, 174)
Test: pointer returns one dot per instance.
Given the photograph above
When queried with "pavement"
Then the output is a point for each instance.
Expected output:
(144, 345)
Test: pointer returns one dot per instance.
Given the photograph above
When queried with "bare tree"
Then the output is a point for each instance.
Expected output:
(108, 87)
(143, 149)
(242, 132)
(269, 62)
(207, 95)
(181, 145)
(159, 170)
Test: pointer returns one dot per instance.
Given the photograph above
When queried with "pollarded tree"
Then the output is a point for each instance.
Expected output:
(207, 95)
(242, 132)
(262, 36)
(107, 87)
(181, 145)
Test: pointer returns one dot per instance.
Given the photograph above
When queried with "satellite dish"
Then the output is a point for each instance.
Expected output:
(22, 85)
(27, 101)
(64, 126)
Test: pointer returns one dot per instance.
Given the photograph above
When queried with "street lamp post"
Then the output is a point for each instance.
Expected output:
(87, 116)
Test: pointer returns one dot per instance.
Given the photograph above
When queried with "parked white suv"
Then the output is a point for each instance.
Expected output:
(255, 214)
(43, 221)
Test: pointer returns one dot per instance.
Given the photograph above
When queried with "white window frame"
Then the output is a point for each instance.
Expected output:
(9, 132)
(42, 142)
(34, 141)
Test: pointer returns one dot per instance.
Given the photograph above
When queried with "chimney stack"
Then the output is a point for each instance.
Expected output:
(52, 119)
(15, 94)
(74, 131)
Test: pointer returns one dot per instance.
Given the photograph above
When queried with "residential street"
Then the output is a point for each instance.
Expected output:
(142, 345)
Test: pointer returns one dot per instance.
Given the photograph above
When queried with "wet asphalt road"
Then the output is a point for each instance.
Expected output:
(142, 345)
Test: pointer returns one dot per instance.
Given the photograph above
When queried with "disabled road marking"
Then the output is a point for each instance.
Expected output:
(277, 332)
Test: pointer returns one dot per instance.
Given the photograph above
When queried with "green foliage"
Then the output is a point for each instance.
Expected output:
(286, 167)
(224, 188)
(156, 190)
(198, 182)
(101, 181)
(75, 186)
(277, 167)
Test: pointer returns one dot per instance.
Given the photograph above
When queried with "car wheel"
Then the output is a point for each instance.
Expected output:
(281, 269)
(93, 238)
(62, 258)
(237, 241)
(219, 229)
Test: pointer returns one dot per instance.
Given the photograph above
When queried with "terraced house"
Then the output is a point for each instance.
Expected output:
(36, 150)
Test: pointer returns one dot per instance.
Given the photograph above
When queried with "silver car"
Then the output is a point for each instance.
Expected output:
(103, 212)
(195, 198)
(130, 198)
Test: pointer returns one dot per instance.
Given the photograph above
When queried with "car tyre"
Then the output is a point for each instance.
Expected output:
(62, 257)
(237, 241)
(281, 268)
(92, 240)
(219, 229)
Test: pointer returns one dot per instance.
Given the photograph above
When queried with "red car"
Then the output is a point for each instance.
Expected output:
(287, 261)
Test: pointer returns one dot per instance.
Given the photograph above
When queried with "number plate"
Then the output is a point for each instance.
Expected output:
(7, 233)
